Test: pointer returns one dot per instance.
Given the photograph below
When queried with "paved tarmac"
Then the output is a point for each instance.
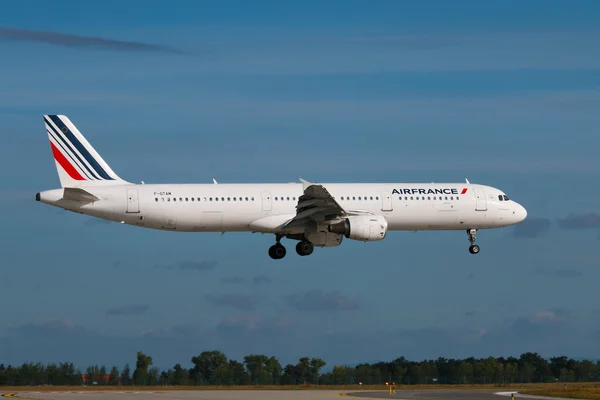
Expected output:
(185, 395)
(264, 395)
(431, 394)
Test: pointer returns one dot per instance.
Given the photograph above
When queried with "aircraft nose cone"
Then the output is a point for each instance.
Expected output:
(521, 213)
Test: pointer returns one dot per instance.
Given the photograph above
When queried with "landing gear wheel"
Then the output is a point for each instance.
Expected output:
(474, 249)
(277, 251)
(304, 248)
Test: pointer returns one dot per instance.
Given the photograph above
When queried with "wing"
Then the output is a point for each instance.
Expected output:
(316, 205)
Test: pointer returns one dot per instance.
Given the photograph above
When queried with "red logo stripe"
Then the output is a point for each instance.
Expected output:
(65, 164)
(464, 191)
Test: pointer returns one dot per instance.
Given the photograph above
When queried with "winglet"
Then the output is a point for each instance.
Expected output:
(467, 181)
(305, 184)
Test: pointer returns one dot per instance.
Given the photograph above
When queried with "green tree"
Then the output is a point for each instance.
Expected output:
(126, 375)
(238, 373)
(141, 373)
(180, 375)
(114, 376)
(256, 366)
(274, 369)
(315, 367)
(208, 366)
(303, 369)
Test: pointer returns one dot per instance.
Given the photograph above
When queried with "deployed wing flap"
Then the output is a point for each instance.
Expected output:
(80, 195)
(315, 205)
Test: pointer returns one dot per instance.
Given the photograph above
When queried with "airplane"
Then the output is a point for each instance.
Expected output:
(313, 214)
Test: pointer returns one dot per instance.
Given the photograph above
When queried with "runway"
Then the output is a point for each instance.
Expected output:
(265, 395)
(431, 395)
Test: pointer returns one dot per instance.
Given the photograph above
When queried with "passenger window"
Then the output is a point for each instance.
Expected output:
(428, 198)
(156, 199)
(252, 199)
(222, 198)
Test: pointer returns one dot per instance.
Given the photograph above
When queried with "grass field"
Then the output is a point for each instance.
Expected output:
(575, 390)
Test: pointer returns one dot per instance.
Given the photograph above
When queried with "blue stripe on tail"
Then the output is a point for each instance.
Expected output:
(66, 153)
(82, 150)
(60, 139)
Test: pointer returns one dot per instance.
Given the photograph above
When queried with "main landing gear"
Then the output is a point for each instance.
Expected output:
(277, 251)
(304, 248)
(473, 249)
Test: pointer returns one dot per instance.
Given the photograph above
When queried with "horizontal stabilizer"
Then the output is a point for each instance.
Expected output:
(80, 195)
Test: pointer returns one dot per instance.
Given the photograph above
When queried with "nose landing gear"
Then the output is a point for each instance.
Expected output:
(473, 249)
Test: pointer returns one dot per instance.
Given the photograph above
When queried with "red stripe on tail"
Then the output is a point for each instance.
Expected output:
(65, 164)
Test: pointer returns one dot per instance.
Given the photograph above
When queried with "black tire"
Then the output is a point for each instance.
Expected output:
(277, 251)
(272, 253)
(304, 248)
(474, 249)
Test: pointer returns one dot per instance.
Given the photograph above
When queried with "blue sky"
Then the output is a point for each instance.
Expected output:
(503, 94)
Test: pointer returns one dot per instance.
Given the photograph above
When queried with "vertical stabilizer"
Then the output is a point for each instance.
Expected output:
(77, 162)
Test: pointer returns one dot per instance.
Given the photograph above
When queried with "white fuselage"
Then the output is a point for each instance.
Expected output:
(264, 207)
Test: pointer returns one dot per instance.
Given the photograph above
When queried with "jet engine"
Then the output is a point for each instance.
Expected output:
(365, 228)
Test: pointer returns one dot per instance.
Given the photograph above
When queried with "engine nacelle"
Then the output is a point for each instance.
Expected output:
(365, 228)
(325, 239)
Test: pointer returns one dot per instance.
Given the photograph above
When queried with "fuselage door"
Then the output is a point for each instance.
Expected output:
(386, 201)
(266, 201)
(480, 201)
(133, 202)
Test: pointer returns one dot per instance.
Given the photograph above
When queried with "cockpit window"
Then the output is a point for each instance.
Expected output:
(500, 197)
(506, 197)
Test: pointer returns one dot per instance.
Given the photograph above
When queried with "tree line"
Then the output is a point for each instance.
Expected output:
(214, 368)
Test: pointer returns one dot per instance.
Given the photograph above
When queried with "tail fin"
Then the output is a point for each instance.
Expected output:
(77, 162)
